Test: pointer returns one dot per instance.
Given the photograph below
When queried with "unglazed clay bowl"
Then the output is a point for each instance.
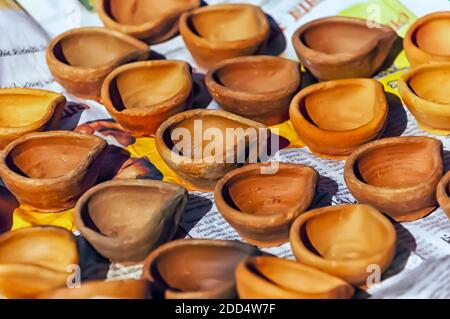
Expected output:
(48, 172)
(24, 111)
(197, 269)
(256, 87)
(142, 95)
(426, 92)
(35, 260)
(275, 278)
(427, 40)
(80, 59)
(152, 21)
(443, 193)
(125, 220)
(195, 144)
(262, 206)
(218, 32)
(344, 241)
(333, 118)
(397, 175)
(342, 47)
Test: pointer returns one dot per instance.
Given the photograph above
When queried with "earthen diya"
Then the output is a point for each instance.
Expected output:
(261, 201)
(397, 175)
(342, 47)
(218, 32)
(256, 87)
(197, 269)
(344, 241)
(443, 193)
(142, 95)
(125, 220)
(48, 172)
(80, 59)
(333, 118)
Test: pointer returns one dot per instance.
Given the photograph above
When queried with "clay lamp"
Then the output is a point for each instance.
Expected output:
(344, 241)
(275, 278)
(427, 39)
(152, 21)
(125, 220)
(35, 260)
(397, 175)
(428, 102)
(201, 146)
(24, 111)
(142, 95)
(342, 47)
(256, 87)
(219, 32)
(48, 172)
(196, 269)
(261, 205)
(333, 118)
(443, 193)
(80, 59)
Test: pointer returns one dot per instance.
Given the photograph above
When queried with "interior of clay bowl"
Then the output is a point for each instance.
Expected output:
(432, 37)
(18, 110)
(421, 84)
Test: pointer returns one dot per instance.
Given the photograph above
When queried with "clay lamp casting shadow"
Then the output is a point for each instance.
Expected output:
(197, 269)
(261, 205)
(443, 193)
(125, 220)
(256, 87)
(80, 59)
(35, 260)
(333, 118)
(344, 241)
(219, 32)
(427, 40)
(48, 172)
(141, 96)
(397, 175)
(341, 47)
(152, 21)
(275, 278)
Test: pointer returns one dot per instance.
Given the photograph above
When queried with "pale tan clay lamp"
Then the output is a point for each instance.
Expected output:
(24, 111)
(443, 193)
(152, 21)
(256, 87)
(80, 59)
(344, 241)
(48, 172)
(342, 47)
(427, 40)
(275, 278)
(35, 260)
(125, 220)
(397, 175)
(262, 206)
(218, 32)
(426, 92)
(142, 95)
(333, 118)
(197, 269)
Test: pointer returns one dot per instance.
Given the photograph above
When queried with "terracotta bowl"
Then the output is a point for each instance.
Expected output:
(125, 220)
(443, 193)
(275, 278)
(80, 59)
(197, 269)
(34, 260)
(333, 118)
(397, 175)
(152, 21)
(427, 39)
(256, 87)
(142, 95)
(48, 172)
(262, 207)
(218, 32)
(24, 111)
(344, 241)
